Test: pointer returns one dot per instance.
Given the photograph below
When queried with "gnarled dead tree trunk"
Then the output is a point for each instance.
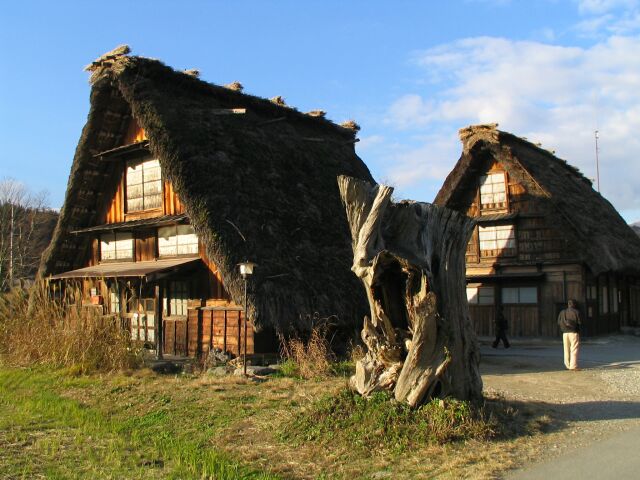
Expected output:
(411, 259)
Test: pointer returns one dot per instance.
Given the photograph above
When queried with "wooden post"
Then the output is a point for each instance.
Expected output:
(224, 339)
(239, 332)
(200, 332)
(244, 357)
(175, 337)
(158, 295)
(211, 345)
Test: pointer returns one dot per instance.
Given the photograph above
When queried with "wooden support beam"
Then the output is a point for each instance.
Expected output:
(158, 319)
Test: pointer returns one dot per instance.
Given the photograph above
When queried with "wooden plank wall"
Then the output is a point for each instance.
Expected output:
(204, 330)
(145, 245)
(172, 204)
(522, 320)
(482, 318)
(634, 305)
(115, 212)
(135, 133)
(175, 337)
(218, 323)
(216, 285)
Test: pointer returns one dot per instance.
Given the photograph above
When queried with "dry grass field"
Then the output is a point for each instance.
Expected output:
(139, 424)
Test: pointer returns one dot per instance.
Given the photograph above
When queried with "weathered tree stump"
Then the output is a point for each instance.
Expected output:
(411, 258)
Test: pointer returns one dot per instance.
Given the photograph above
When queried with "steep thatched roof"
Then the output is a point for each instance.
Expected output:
(606, 243)
(259, 185)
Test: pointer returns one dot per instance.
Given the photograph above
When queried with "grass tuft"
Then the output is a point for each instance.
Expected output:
(310, 358)
(381, 422)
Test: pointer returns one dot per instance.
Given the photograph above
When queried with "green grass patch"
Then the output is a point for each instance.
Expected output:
(43, 433)
(381, 422)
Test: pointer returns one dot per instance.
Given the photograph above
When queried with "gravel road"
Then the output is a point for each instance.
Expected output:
(598, 404)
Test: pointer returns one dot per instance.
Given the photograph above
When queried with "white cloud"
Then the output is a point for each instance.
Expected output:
(370, 141)
(431, 161)
(608, 17)
(553, 94)
(602, 6)
(409, 111)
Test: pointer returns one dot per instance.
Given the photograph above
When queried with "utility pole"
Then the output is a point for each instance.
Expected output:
(597, 162)
(11, 248)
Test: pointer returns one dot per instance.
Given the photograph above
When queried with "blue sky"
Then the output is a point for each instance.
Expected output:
(411, 73)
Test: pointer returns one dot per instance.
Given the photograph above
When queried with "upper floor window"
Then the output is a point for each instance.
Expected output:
(116, 246)
(177, 240)
(493, 191)
(497, 240)
(144, 185)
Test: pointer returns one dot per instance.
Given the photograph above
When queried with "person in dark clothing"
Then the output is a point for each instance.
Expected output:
(569, 323)
(501, 328)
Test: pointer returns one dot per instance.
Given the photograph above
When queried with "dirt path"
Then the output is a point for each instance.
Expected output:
(592, 405)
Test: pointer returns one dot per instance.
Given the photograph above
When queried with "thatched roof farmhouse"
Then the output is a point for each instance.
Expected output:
(255, 179)
(544, 235)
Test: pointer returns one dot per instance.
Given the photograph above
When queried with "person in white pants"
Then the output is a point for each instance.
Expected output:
(569, 323)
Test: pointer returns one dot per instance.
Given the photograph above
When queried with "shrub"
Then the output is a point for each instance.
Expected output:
(37, 329)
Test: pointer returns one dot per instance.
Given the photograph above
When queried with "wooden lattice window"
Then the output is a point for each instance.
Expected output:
(114, 299)
(116, 246)
(493, 191)
(177, 240)
(497, 240)
(144, 185)
(178, 297)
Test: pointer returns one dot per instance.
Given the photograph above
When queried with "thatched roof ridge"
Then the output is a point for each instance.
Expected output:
(117, 64)
(607, 242)
(269, 173)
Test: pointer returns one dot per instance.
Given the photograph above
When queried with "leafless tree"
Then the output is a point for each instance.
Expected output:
(25, 228)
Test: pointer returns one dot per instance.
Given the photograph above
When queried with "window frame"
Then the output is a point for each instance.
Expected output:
(180, 304)
(519, 289)
(115, 300)
(501, 252)
(603, 300)
(484, 207)
(134, 162)
(177, 244)
(478, 296)
(115, 234)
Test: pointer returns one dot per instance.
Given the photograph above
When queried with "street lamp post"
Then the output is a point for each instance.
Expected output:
(246, 270)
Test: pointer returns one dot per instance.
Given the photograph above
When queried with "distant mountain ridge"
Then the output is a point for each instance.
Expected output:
(636, 227)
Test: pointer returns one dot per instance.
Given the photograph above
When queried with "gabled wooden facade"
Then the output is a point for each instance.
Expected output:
(149, 282)
(175, 181)
(543, 236)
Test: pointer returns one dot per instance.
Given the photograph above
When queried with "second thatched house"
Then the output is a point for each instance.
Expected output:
(543, 236)
(176, 181)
